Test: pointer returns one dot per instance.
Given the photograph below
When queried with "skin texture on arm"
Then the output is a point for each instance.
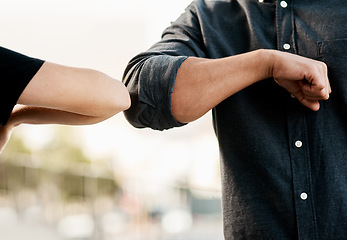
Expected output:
(86, 92)
(59, 94)
(201, 84)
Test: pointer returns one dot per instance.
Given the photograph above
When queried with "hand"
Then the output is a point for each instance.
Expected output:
(5, 134)
(304, 78)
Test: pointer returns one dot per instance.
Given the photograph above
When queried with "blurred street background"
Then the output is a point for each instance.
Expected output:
(106, 181)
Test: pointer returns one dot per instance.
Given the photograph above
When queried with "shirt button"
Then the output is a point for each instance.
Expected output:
(284, 4)
(292, 96)
(303, 196)
(298, 144)
(286, 46)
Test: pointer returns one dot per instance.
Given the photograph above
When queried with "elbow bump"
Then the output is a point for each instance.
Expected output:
(120, 102)
(124, 101)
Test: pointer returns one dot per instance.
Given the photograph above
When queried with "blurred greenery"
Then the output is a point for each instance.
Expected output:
(60, 162)
(15, 145)
(61, 150)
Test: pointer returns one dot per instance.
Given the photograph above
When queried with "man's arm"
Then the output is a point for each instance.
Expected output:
(179, 78)
(201, 83)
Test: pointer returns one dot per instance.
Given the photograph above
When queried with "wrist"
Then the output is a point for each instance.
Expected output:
(266, 58)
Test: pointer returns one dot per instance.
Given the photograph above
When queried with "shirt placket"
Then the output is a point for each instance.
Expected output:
(297, 133)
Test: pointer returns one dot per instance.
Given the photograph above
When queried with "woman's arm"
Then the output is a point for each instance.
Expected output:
(65, 95)
(85, 92)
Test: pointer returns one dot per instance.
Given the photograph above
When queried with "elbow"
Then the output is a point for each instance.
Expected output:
(182, 109)
(182, 115)
(123, 101)
(120, 101)
(186, 111)
(186, 114)
(112, 98)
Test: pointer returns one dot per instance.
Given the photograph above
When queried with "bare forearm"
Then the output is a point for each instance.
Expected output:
(39, 115)
(66, 95)
(201, 84)
(76, 90)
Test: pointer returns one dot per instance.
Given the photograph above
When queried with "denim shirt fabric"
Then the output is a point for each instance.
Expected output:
(284, 167)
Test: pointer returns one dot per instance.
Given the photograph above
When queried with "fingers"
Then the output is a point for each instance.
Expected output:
(313, 92)
(309, 83)
(309, 102)
(316, 85)
(313, 105)
(308, 94)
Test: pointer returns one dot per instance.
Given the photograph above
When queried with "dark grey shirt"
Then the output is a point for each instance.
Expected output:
(284, 167)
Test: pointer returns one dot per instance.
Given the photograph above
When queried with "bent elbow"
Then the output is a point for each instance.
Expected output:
(184, 116)
(120, 101)
(183, 110)
(112, 97)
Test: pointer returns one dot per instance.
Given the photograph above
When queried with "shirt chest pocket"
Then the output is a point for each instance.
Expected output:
(334, 54)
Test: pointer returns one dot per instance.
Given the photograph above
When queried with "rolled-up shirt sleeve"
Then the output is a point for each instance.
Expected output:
(150, 76)
(150, 81)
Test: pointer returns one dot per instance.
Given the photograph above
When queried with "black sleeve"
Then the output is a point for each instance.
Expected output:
(16, 71)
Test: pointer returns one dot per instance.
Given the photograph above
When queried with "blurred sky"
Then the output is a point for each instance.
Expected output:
(105, 35)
